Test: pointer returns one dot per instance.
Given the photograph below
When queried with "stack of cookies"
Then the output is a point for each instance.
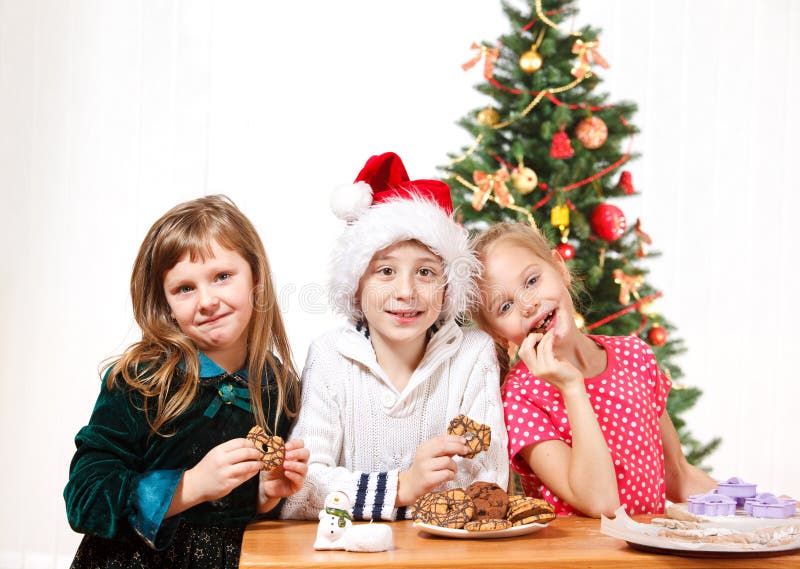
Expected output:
(482, 506)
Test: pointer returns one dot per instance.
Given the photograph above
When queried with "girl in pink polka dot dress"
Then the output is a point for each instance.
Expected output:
(585, 414)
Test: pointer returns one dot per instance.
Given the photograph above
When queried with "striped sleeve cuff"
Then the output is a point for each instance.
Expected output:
(375, 496)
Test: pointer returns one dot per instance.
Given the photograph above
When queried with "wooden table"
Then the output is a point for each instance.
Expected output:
(569, 541)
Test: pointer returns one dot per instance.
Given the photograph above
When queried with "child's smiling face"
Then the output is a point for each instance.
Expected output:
(402, 292)
(523, 293)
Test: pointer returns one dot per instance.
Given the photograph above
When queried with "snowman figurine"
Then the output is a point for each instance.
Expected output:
(334, 520)
(336, 529)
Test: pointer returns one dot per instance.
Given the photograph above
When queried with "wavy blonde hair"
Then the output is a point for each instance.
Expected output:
(520, 234)
(150, 365)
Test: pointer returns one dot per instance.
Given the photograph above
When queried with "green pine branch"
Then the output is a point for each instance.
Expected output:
(527, 141)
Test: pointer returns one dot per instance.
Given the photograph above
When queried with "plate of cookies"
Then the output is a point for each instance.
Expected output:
(482, 510)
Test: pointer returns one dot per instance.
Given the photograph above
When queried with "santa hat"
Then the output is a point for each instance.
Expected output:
(382, 207)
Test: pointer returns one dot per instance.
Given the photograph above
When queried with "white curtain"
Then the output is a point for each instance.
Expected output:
(112, 111)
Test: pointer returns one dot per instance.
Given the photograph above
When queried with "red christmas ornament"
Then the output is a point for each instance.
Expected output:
(626, 183)
(561, 146)
(608, 222)
(566, 251)
(657, 336)
(592, 132)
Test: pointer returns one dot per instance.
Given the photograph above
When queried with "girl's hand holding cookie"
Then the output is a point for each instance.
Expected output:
(433, 464)
(537, 353)
(225, 467)
(285, 480)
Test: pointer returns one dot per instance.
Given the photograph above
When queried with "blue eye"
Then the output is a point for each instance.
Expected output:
(184, 289)
(505, 307)
(531, 281)
(223, 276)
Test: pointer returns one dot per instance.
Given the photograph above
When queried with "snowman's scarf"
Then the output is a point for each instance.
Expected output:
(341, 514)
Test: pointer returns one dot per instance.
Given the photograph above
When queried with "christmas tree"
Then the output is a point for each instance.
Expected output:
(550, 150)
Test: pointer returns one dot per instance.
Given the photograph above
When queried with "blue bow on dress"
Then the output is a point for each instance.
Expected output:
(229, 394)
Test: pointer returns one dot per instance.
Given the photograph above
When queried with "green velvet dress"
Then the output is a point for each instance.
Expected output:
(122, 478)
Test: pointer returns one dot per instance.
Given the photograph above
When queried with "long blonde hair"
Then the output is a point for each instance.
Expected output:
(520, 234)
(150, 365)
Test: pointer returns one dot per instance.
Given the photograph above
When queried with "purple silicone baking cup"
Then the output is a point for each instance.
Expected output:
(712, 504)
(737, 488)
(768, 506)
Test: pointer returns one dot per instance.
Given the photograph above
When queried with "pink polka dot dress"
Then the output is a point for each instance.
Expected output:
(629, 398)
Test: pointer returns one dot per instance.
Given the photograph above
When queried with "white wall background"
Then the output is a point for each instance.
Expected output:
(113, 111)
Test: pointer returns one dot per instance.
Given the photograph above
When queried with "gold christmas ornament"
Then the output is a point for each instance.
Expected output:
(559, 216)
(524, 180)
(579, 321)
(488, 116)
(530, 61)
(648, 309)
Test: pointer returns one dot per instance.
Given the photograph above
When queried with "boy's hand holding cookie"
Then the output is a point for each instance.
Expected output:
(537, 353)
(433, 464)
(477, 435)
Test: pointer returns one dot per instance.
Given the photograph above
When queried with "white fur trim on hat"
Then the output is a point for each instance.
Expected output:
(348, 202)
(398, 220)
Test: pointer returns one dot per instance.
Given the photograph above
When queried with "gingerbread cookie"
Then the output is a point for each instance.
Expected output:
(491, 501)
(447, 509)
(272, 447)
(487, 525)
(478, 436)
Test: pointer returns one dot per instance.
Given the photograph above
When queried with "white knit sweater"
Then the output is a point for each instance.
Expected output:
(362, 432)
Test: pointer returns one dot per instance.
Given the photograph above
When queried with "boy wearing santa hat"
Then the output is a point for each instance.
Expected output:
(378, 394)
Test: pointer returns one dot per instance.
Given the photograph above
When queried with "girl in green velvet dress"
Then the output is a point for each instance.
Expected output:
(163, 475)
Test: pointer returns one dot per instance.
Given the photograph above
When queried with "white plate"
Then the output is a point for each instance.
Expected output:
(646, 537)
(464, 534)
